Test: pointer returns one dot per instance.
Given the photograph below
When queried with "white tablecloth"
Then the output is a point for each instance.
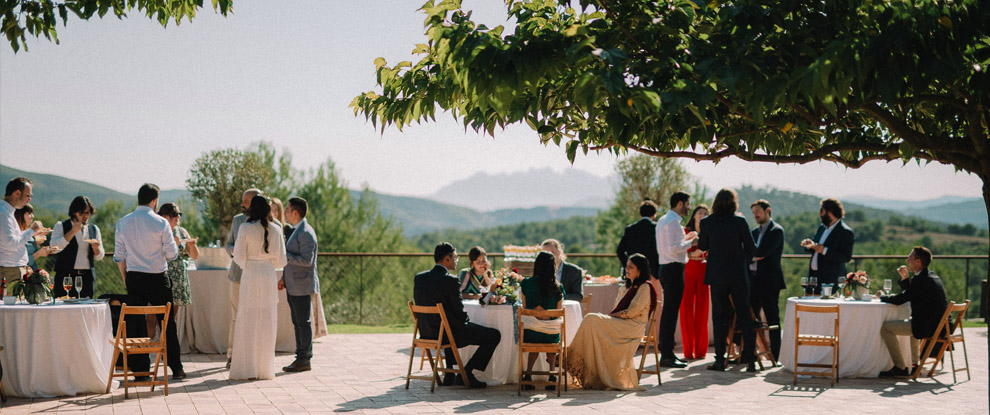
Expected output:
(55, 350)
(862, 353)
(504, 366)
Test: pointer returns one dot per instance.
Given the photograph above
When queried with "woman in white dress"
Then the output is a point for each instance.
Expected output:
(258, 250)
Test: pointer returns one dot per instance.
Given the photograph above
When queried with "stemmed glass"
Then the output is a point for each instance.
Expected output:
(887, 285)
(804, 284)
(842, 285)
(67, 284)
(813, 282)
(79, 286)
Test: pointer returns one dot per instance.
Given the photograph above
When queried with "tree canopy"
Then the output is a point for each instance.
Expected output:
(41, 17)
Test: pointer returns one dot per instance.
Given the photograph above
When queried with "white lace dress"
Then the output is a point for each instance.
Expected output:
(253, 355)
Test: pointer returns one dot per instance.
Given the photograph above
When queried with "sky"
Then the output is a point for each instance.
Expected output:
(123, 102)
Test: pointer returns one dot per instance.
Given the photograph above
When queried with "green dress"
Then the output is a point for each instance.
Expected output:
(178, 278)
(474, 285)
(531, 290)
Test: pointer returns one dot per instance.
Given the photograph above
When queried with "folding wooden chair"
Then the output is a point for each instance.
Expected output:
(558, 349)
(586, 304)
(126, 346)
(651, 340)
(944, 339)
(3, 396)
(763, 351)
(433, 346)
(816, 340)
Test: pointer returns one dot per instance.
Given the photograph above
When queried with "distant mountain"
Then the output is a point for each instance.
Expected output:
(899, 205)
(956, 210)
(537, 187)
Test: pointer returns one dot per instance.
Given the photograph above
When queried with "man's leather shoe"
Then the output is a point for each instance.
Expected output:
(718, 366)
(751, 367)
(671, 362)
(297, 366)
(472, 382)
(680, 360)
(179, 375)
(448, 379)
(894, 372)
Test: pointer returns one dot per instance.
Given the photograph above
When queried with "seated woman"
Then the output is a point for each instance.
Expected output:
(24, 217)
(478, 277)
(602, 353)
(541, 292)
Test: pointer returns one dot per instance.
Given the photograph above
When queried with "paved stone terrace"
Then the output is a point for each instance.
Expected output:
(364, 374)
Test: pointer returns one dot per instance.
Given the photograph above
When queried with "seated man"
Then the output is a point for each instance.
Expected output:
(439, 286)
(928, 303)
(570, 276)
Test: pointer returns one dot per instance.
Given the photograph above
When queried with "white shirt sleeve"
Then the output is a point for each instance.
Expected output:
(58, 236)
(119, 247)
(100, 252)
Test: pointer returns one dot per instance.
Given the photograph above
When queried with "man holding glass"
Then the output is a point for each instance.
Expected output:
(928, 302)
(832, 246)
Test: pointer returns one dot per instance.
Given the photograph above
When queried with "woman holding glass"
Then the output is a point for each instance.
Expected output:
(81, 245)
(24, 217)
(478, 277)
(694, 303)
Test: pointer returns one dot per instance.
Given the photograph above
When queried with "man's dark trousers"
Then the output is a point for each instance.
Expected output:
(766, 299)
(486, 338)
(672, 281)
(144, 289)
(301, 307)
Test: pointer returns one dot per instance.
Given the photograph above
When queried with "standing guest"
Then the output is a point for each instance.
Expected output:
(25, 216)
(832, 246)
(234, 274)
(601, 354)
(278, 215)
(672, 246)
(437, 286)
(81, 246)
(694, 305)
(258, 250)
(725, 235)
(765, 273)
(478, 277)
(178, 277)
(641, 238)
(570, 276)
(13, 240)
(541, 292)
(926, 293)
(300, 281)
(142, 248)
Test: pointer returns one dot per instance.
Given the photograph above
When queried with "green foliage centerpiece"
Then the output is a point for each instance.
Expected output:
(33, 286)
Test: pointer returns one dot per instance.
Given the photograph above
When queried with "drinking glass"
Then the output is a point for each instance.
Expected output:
(79, 286)
(813, 282)
(67, 284)
(842, 286)
(804, 284)
(887, 285)
(826, 290)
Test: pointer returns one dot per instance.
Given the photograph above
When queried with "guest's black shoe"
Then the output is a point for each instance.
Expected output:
(228, 363)
(718, 366)
(751, 367)
(894, 372)
(472, 382)
(526, 387)
(179, 375)
(551, 378)
(671, 362)
(680, 360)
(448, 379)
(298, 366)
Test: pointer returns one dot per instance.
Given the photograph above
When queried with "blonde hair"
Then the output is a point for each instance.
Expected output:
(557, 244)
(278, 211)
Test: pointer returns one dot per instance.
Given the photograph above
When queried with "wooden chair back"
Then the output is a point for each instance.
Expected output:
(586, 304)
(933, 348)
(816, 340)
(126, 346)
(433, 346)
(650, 340)
(763, 351)
(558, 348)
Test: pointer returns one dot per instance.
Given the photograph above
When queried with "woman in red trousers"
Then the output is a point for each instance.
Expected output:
(695, 303)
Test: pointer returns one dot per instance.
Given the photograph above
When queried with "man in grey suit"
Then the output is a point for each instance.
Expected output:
(234, 275)
(300, 281)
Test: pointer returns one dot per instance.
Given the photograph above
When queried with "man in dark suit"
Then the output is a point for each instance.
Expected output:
(300, 281)
(570, 276)
(439, 286)
(832, 246)
(765, 273)
(726, 237)
(928, 302)
(641, 238)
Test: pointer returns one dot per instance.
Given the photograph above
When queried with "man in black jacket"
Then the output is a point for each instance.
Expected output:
(439, 286)
(832, 246)
(765, 273)
(570, 276)
(927, 296)
(641, 238)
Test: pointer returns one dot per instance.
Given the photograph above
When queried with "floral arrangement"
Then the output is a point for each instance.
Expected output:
(504, 287)
(857, 282)
(33, 286)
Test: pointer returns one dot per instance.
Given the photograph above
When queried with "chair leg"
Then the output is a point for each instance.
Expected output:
(435, 366)
(412, 357)
(952, 359)
(113, 367)
(965, 355)
(656, 358)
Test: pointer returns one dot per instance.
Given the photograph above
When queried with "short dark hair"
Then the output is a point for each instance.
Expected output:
(148, 193)
(299, 205)
(476, 253)
(169, 209)
(763, 203)
(647, 208)
(442, 250)
(19, 214)
(923, 254)
(80, 204)
(726, 202)
(678, 197)
(16, 184)
(834, 207)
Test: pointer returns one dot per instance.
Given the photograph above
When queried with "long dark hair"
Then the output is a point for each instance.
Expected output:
(259, 210)
(643, 265)
(726, 203)
(691, 225)
(545, 274)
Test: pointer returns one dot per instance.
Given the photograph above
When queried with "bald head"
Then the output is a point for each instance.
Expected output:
(246, 199)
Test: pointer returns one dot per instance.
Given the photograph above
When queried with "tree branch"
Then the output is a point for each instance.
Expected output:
(910, 135)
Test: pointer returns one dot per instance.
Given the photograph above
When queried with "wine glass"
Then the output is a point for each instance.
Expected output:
(887, 285)
(804, 284)
(67, 284)
(79, 286)
(813, 282)
(842, 285)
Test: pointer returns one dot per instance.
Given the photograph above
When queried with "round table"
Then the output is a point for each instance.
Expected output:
(504, 366)
(862, 353)
(55, 350)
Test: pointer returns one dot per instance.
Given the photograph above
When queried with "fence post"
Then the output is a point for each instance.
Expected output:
(967, 286)
(361, 290)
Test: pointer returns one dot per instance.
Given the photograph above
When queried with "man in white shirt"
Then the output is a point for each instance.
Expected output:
(13, 252)
(143, 245)
(672, 246)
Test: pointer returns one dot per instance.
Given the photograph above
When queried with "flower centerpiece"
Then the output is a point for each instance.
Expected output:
(505, 287)
(33, 286)
(857, 285)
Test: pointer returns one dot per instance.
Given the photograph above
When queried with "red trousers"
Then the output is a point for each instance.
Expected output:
(694, 311)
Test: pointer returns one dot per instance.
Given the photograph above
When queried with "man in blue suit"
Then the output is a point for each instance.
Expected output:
(765, 273)
(300, 281)
(832, 246)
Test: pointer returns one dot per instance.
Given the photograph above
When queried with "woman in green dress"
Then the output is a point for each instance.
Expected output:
(541, 292)
(478, 277)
